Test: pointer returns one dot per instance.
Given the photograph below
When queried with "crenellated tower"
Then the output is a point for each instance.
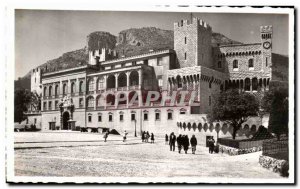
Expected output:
(266, 42)
(192, 43)
(101, 55)
(36, 81)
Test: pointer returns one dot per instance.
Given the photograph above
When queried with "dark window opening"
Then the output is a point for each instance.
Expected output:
(170, 115)
(121, 117)
(157, 116)
(99, 118)
(110, 118)
(90, 118)
(132, 117)
(146, 117)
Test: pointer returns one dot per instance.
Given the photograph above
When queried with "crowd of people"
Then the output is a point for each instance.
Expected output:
(146, 136)
(183, 141)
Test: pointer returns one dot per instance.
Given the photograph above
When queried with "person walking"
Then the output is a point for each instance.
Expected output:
(179, 143)
(193, 144)
(125, 136)
(166, 139)
(105, 136)
(152, 138)
(172, 141)
(186, 143)
(211, 145)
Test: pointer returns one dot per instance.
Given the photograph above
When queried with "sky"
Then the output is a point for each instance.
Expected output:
(42, 35)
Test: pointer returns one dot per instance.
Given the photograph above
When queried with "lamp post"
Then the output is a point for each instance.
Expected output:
(134, 127)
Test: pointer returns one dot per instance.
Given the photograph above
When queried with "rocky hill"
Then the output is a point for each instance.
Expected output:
(128, 43)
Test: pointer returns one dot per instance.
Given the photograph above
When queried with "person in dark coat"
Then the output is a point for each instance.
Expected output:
(186, 143)
(211, 145)
(152, 138)
(167, 139)
(193, 144)
(179, 143)
(143, 136)
(172, 142)
(105, 136)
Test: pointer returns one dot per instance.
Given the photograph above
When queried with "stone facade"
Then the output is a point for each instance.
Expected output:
(193, 65)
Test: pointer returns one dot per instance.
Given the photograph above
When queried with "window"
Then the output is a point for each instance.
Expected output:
(90, 118)
(45, 91)
(50, 90)
(110, 118)
(81, 102)
(121, 117)
(195, 109)
(99, 118)
(219, 64)
(81, 86)
(91, 85)
(146, 62)
(90, 102)
(56, 90)
(132, 116)
(182, 111)
(209, 85)
(157, 116)
(73, 88)
(170, 115)
(50, 105)
(209, 100)
(266, 61)
(185, 56)
(65, 89)
(55, 103)
(134, 63)
(184, 40)
(159, 61)
(45, 105)
(101, 83)
(235, 64)
(112, 67)
(250, 63)
(145, 116)
(122, 65)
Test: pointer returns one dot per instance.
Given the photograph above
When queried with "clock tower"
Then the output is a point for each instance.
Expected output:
(266, 46)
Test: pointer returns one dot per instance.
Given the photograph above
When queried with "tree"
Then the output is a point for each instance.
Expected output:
(22, 99)
(234, 108)
(275, 102)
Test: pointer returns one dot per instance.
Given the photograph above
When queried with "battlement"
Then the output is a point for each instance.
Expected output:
(194, 21)
(101, 55)
(266, 29)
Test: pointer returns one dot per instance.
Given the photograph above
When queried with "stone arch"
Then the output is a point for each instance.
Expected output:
(81, 86)
(100, 100)
(184, 126)
(246, 130)
(194, 126)
(205, 127)
(56, 90)
(90, 101)
(253, 129)
(50, 90)
(211, 127)
(218, 127)
(121, 98)
(90, 84)
(199, 127)
(224, 128)
(73, 86)
(178, 81)
(110, 99)
(189, 126)
(111, 82)
(122, 80)
(45, 91)
(100, 83)
(254, 84)
(247, 84)
(134, 78)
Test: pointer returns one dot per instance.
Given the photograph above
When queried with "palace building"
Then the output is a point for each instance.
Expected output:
(87, 96)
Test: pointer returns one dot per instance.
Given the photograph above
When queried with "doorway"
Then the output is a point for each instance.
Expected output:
(66, 117)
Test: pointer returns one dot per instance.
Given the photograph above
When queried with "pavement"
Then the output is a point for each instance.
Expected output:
(86, 154)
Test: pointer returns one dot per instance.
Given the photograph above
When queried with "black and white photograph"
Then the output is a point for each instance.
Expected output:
(154, 95)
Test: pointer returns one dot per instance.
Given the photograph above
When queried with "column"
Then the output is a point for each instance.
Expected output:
(60, 88)
(140, 78)
(127, 77)
(95, 84)
(116, 80)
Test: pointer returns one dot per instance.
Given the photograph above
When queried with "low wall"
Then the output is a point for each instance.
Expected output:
(236, 151)
(276, 165)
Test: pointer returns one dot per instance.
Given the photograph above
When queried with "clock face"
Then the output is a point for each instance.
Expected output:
(266, 45)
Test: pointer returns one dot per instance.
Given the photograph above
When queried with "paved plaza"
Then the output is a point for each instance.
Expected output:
(86, 154)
